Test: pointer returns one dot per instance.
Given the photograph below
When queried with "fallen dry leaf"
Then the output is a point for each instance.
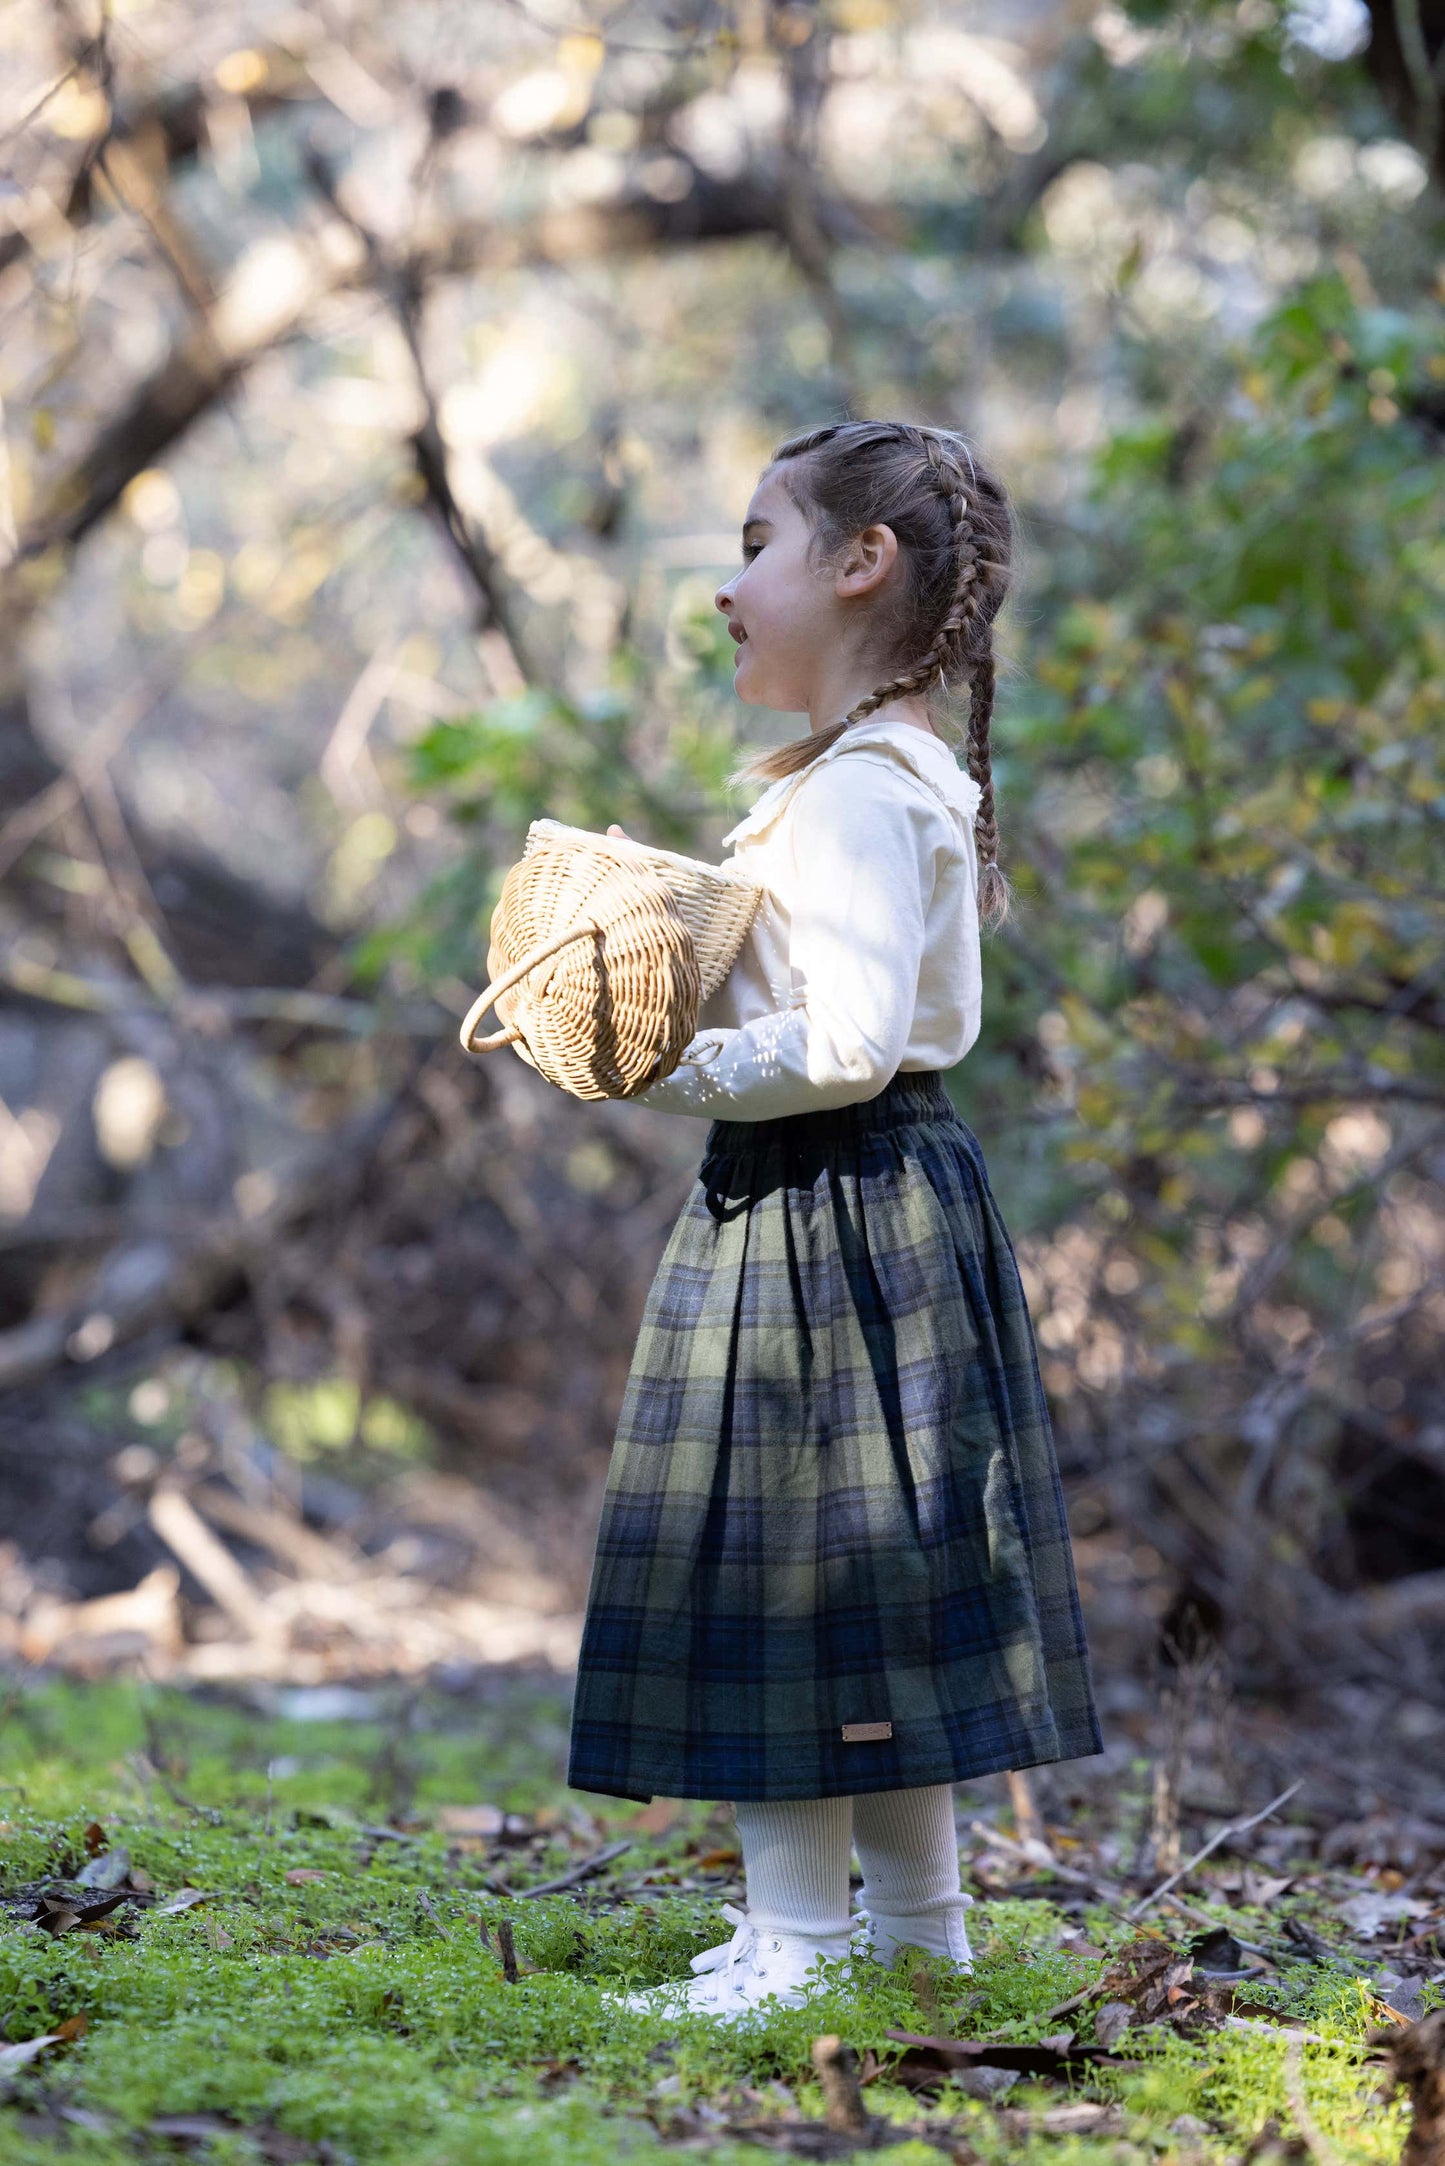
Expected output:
(28, 2049)
(1260, 1889)
(59, 1914)
(16, 2056)
(1370, 1913)
(1111, 2021)
(1217, 1954)
(184, 1899)
(106, 1868)
(1149, 1976)
(302, 1876)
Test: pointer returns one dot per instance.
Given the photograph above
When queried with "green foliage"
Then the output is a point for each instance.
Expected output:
(309, 1420)
(1020, 1971)
(537, 753)
(1230, 755)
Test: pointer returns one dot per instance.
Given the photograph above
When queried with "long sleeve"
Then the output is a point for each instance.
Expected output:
(863, 841)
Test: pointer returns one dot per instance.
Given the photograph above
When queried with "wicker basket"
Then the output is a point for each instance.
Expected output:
(637, 938)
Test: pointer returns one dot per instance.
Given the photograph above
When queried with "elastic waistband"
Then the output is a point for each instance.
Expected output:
(914, 1094)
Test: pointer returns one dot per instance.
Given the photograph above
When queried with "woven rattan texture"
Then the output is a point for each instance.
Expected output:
(716, 906)
(602, 952)
(612, 1011)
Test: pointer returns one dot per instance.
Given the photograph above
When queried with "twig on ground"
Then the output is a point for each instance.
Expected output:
(1192, 1915)
(837, 2070)
(1075, 2000)
(147, 1769)
(508, 1947)
(152, 1765)
(1222, 1835)
(431, 1910)
(584, 1871)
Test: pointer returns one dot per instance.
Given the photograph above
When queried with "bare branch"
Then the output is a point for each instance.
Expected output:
(1363, 1085)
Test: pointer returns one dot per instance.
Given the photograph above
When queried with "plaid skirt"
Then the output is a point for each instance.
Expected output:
(833, 1554)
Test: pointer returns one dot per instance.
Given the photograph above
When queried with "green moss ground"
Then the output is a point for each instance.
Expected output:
(358, 2015)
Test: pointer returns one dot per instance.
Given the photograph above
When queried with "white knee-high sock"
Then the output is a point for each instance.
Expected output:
(908, 1849)
(795, 1858)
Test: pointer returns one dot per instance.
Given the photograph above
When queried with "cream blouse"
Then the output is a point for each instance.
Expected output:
(863, 957)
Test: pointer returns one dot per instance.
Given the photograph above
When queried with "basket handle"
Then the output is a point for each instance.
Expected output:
(470, 1042)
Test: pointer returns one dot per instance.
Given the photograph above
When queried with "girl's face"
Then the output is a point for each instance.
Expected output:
(800, 630)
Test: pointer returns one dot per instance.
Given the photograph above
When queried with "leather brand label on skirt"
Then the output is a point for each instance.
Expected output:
(865, 1733)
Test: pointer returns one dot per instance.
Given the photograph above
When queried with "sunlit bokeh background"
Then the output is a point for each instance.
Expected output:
(383, 388)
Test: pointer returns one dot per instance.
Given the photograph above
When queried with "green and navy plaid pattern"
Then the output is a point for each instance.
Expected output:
(833, 1498)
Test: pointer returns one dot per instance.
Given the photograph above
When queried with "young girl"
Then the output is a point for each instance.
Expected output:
(833, 1574)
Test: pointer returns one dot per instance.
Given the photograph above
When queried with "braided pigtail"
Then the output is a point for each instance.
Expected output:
(966, 639)
(993, 888)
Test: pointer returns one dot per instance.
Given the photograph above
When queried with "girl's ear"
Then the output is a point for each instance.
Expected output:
(870, 557)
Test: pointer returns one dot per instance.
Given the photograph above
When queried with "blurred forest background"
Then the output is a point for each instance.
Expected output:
(383, 387)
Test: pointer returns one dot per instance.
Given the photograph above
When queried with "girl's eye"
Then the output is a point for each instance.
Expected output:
(750, 549)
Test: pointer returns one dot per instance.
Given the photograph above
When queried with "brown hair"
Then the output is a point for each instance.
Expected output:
(954, 530)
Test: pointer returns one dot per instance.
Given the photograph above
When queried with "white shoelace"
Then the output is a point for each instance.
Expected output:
(730, 1954)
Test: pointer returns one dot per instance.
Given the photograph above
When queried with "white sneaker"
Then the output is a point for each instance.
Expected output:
(938, 1929)
(758, 1964)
